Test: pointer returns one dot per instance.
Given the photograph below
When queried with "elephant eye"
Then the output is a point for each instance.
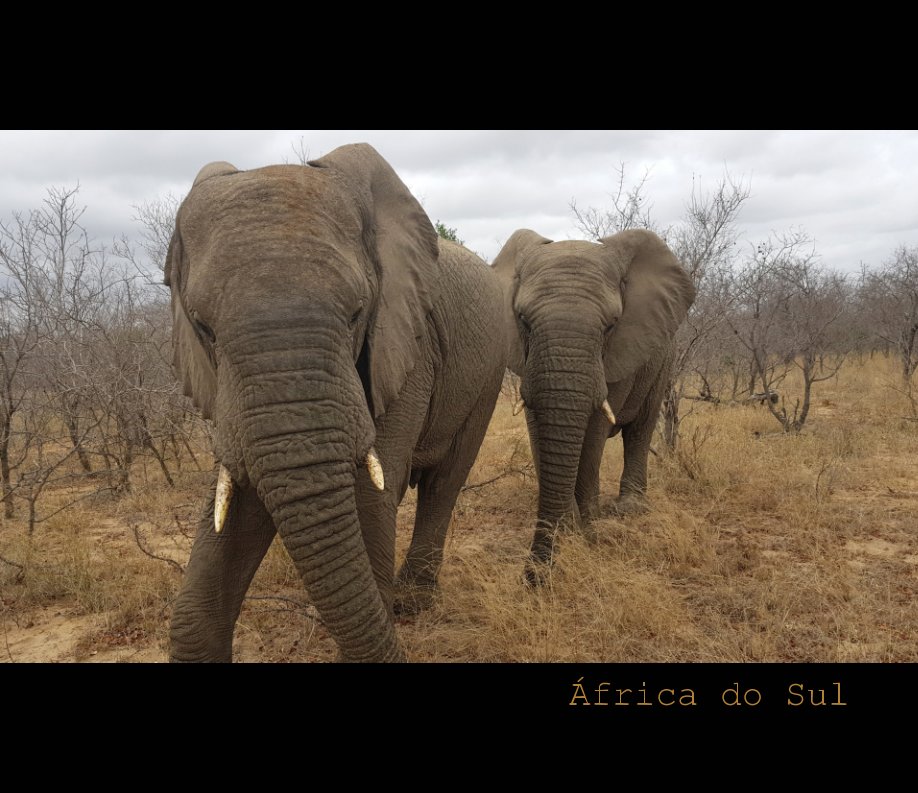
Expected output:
(524, 322)
(353, 320)
(610, 327)
(204, 331)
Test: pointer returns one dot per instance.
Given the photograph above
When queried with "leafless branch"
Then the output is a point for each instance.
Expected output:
(11, 563)
(138, 538)
(511, 468)
(630, 209)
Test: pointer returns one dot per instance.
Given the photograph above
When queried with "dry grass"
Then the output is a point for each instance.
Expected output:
(757, 547)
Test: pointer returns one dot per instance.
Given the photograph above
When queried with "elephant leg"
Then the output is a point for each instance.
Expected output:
(377, 512)
(586, 491)
(533, 428)
(218, 575)
(438, 489)
(632, 492)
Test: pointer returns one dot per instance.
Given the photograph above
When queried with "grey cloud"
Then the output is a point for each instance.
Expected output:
(852, 191)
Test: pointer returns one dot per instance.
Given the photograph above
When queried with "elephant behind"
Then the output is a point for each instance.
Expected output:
(591, 329)
(343, 353)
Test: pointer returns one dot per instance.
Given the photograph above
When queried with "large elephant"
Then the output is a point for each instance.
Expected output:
(343, 352)
(591, 329)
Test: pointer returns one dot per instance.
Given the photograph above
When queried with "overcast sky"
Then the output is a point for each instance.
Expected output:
(855, 192)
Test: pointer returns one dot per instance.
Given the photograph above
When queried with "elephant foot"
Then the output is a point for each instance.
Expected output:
(629, 504)
(414, 597)
(398, 656)
(587, 529)
(535, 574)
(537, 571)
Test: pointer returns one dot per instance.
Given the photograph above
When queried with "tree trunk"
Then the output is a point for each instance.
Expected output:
(7, 485)
(147, 440)
(671, 416)
(162, 463)
(73, 432)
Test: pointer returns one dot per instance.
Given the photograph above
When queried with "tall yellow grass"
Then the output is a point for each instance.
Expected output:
(757, 547)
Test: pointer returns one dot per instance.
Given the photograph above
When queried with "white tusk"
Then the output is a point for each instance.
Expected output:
(222, 499)
(375, 469)
(518, 407)
(608, 411)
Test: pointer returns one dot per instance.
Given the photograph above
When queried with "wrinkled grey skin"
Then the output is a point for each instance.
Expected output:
(316, 314)
(589, 322)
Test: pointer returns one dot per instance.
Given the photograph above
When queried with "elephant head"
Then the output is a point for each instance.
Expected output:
(585, 320)
(299, 295)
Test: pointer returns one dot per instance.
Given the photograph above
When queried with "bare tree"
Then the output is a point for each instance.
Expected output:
(170, 425)
(786, 312)
(301, 151)
(156, 219)
(18, 339)
(630, 210)
(46, 259)
(704, 240)
(86, 384)
(888, 303)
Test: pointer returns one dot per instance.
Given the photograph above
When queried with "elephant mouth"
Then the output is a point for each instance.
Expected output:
(606, 409)
(224, 491)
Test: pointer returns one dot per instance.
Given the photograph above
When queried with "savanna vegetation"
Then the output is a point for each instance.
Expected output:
(782, 482)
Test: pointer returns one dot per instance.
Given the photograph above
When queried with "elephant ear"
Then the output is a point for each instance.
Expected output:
(507, 268)
(193, 367)
(656, 295)
(212, 169)
(220, 168)
(403, 242)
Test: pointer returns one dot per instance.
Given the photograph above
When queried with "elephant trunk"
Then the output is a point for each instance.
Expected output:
(303, 430)
(563, 388)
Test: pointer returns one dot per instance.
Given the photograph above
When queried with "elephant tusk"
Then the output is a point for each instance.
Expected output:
(606, 408)
(222, 499)
(518, 407)
(375, 469)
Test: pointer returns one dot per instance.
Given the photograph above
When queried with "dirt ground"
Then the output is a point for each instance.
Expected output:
(757, 547)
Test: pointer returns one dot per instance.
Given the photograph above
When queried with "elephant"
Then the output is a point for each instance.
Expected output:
(320, 323)
(590, 329)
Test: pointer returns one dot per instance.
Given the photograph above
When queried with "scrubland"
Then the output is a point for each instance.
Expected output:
(758, 546)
